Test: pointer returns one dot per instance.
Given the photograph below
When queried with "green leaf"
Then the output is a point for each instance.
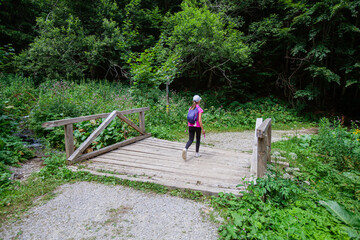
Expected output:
(341, 213)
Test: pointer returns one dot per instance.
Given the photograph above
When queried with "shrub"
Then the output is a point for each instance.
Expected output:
(339, 146)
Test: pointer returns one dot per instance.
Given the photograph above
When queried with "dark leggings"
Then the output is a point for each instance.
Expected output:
(192, 131)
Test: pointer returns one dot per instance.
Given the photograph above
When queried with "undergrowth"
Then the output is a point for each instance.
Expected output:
(315, 198)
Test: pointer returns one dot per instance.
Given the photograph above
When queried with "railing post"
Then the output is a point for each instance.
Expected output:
(254, 160)
(142, 120)
(268, 143)
(261, 155)
(69, 140)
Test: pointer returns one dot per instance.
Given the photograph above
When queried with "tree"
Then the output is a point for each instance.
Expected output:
(196, 42)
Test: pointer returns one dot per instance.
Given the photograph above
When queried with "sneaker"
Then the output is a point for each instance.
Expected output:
(184, 153)
(197, 155)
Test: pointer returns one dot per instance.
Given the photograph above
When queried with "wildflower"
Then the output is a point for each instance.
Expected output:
(249, 209)
(293, 156)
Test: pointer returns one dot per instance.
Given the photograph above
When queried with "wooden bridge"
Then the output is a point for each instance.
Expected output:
(148, 159)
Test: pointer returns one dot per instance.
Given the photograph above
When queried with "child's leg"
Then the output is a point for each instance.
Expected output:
(198, 137)
(191, 137)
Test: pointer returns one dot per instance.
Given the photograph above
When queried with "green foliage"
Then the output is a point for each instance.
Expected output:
(12, 150)
(195, 40)
(57, 52)
(249, 217)
(6, 54)
(18, 94)
(289, 204)
(339, 146)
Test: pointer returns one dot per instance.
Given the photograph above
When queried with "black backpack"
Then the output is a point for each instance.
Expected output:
(193, 115)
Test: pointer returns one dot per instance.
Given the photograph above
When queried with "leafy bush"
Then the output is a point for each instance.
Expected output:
(316, 201)
(12, 150)
(339, 147)
(250, 217)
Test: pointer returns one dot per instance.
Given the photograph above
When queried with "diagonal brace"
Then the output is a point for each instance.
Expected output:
(130, 123)
(96, 133)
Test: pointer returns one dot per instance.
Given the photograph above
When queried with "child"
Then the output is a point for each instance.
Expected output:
(196, 127)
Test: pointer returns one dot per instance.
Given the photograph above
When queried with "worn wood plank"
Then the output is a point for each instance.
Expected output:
(89, 117)
(254, 159)
(261, 165)
(170, 184)
(142, 120)
(92, 136)
(69, 140)
(171, 158)
(170, 174)
(262, 129)
(111, 147)
(130, 123)
(178, 167)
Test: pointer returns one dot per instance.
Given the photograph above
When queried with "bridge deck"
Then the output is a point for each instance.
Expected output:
(160, 161)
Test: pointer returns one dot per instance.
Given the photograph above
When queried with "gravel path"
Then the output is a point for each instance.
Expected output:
(95, 211)
(243, 141)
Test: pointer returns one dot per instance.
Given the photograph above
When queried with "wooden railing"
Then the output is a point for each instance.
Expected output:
(77, 155)
(262, 147)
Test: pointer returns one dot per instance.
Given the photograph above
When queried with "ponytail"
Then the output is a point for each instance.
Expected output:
(193, 106)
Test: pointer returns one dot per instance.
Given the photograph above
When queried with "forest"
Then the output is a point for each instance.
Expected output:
(294, 61)
(304, 52)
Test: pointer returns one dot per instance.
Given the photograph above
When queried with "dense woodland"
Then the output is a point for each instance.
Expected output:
(306, 52)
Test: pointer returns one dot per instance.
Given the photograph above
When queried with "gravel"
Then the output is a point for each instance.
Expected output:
(96, 211)
(243, 141)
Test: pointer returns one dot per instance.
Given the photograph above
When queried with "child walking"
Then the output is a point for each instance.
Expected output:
(195, 128)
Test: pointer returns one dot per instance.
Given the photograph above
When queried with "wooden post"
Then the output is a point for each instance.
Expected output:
(142, 120)
(268, 144)
(254, 160)
(69, 140)
(261, 166)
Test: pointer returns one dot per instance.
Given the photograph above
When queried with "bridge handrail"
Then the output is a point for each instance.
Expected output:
(77, 155)
(67, 121)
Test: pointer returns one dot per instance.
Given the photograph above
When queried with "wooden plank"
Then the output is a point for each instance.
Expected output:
(185, 176)
(171, 185)
(268, 141)
(217, 152)
(211, 173)
(206, 157)
(262, 129)
(69, 140)
(254, 159)
(142, 120)
(128, 121)
(93, 135)
(261, 165)
(181, 166)
(170, 157)
(112, 147)
(89, 117)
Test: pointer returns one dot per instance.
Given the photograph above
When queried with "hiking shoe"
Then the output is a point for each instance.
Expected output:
(197, 155)
(184, 153)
